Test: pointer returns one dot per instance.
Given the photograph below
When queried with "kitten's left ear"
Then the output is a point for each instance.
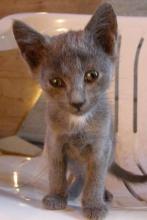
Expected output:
(103, 28)
(31, 44)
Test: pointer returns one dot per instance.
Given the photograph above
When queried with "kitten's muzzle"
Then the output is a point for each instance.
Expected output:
(77, 105)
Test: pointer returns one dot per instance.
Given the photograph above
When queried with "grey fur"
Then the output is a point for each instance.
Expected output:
(82, 141)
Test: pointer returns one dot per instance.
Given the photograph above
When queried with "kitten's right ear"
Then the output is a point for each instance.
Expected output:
(103, 28)
(31, 44)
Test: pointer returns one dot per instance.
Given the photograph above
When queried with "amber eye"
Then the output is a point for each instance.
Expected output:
(57, 82)
(91, 76)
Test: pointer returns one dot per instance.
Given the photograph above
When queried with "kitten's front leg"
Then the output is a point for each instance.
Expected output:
(56, 198)
(93, 201)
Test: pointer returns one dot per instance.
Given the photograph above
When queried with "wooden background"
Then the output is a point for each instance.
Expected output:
(127, 7)
(64, 6)
(18, 92)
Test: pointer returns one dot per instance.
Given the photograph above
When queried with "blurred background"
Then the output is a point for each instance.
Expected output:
(122, 7)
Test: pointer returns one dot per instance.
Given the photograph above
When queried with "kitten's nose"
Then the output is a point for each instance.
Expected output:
(77, 105)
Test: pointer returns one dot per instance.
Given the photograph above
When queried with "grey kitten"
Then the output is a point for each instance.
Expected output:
(75, 70)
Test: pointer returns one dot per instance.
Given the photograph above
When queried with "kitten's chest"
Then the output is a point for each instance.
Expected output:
(78, 140)
(80, 145)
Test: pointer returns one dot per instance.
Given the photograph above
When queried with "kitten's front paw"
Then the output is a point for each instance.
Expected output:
(55, 202)
(95, 213)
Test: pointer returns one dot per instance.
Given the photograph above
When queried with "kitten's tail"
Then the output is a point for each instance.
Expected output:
(123, 174)
(75, 187)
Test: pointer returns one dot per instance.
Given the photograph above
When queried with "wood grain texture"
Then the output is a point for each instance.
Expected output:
(17, 92)
(65, 6)
(129, 7)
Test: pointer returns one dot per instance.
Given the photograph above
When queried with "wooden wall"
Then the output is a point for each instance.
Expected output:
(64, 6)
(128, 7)
(18, 92)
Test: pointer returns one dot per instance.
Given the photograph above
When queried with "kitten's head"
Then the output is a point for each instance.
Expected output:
(75, 68)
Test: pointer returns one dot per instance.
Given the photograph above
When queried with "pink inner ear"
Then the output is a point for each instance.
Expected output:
(107, 40)
(31, 43)
(33, 58)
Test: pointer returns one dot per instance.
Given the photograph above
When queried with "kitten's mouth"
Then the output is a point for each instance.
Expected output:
(81, 112)
(78, 112)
